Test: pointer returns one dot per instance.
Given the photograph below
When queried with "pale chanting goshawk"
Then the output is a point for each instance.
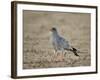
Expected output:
(60, 44)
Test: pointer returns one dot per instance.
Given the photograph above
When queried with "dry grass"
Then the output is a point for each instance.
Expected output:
(38, 50)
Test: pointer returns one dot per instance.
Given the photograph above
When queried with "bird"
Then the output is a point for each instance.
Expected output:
(61, 44)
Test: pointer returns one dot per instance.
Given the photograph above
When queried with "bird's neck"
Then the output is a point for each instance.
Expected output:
(55, 34)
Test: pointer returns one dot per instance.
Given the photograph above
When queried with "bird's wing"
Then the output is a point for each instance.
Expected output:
(63, 43)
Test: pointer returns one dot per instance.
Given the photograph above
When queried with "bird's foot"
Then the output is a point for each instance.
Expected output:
(60, 58)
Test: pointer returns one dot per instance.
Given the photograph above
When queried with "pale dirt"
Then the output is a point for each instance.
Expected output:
(38, 50)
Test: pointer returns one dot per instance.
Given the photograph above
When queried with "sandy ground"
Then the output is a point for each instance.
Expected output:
(38, 50)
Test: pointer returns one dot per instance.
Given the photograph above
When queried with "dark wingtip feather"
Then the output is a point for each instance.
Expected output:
(75, 51)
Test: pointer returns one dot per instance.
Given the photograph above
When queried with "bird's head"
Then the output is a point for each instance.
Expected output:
(53, 30)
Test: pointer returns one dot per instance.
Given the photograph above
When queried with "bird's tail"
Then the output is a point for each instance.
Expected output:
(74, 51)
